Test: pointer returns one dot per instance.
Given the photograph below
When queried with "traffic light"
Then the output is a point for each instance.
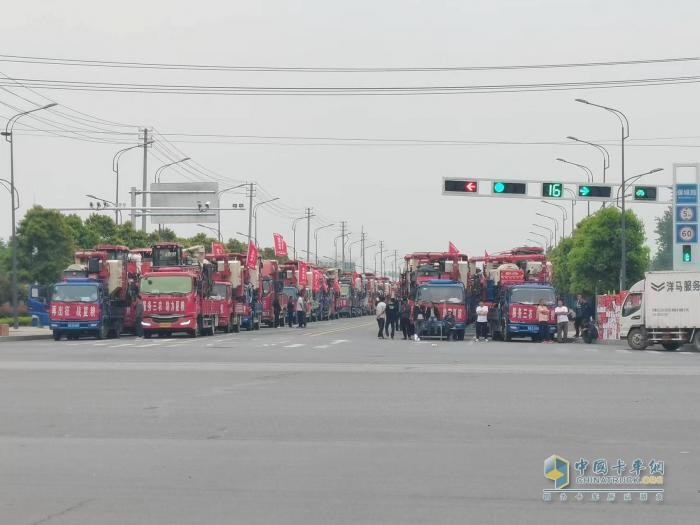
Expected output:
(687, 253)
(645, 193)
(461, 186)
(552, 189)
(518, 188)
(591, 191)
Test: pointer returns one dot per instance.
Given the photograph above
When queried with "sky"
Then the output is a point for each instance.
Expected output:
(391, 189)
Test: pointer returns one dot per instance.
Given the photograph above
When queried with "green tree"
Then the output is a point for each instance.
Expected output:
(593, 262)
(45, 245)
(5, 268)
(102, 228)
(83, 237)
(663, 260)
(560, 257)
(236, 246)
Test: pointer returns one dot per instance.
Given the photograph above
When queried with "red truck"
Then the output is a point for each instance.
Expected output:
(271, 288)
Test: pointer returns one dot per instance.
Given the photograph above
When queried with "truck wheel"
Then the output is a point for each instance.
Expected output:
(671, 346)
(460, 335)
(504, 332)
(696, 340)
(57, 336)
(229, 326)
(103, 331)
(637, 339)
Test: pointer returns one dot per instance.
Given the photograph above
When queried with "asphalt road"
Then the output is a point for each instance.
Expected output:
(330, 425)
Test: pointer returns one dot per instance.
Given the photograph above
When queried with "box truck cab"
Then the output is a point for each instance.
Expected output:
(663, 309)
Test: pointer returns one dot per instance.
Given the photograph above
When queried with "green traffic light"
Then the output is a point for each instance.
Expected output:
(641, 192)
(584, 191)
(687, 253)
(499, 187)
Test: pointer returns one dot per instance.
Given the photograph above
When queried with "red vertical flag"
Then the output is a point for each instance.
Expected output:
(303, 281)
(280, 245)
(251, 260)
(218, 248)
(453, 249)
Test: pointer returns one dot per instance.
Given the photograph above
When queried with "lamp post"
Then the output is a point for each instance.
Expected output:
(156, 177)
(635, 177)
(115, 169)
(624, 133)
(375, 262)
(606, 154)
(9, 137)
(546, 244)
(563, 217)
(573, 202)
(556, 225)
(589, 174)
(218, 235)
(218, 213)
(350, 248)
(255, 215)
(530, 239)
(316, 238)
(335, 245)
(294, 233)
(8, 186)
(551, 232)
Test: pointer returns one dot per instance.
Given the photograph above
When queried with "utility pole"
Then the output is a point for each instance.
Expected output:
(396, 274)
(308, 234)
(250, 212)
(362, 236)
(133, 207)
(342, 241)
(381, 258)
(145, 179)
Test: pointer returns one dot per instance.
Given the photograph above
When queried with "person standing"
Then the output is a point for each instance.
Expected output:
(405, 319)
(543, 321)
(380, 312)
(418, 319)
(562, 313)
(581, 309)
(392, 314)
(138, 311)
(482, 322)
(276, 309)
(301, 311)
(290, 311)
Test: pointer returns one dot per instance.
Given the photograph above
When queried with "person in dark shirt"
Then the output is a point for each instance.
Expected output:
(276, 309)
(392, 316)
(405, 319)
(290, 311)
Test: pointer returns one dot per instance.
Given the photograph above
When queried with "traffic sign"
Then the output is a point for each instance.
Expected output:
(687, 253)
(686, 233)
(501, 187)
(645, 193)
(552, 190)
(597, 191)
(686, 193)
(686, 213)
(461, 186)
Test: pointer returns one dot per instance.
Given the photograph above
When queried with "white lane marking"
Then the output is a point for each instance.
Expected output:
(620, 351)
(339, 341)
(295, 345)
(100, 344)
(354, 327)
(654, 353)
(591, 349)
(147, 345)
(322, 346)
(122, 345)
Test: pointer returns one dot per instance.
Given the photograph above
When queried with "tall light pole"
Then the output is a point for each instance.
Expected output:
(530, 239)
(316, 238)
(350, 248)
(255, 215)
(573, 202)
(556, 224)
(294, 233)
(546, 244)
(9, 137)
(624, 134)
(563, 217)
(115, 169)
(218, 235)
(218, 213)
(635, 177)
(550, 230)
(156, 177)
(589, 175)
(606, 154)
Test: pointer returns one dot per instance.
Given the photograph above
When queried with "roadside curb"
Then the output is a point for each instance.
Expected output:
(15, 338)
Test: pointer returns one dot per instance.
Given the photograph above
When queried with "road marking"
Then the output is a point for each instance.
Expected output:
(619, 350)
(591, 349)
(99, 344)
(295, 345)
(345, 329)
(322, 346)
(339, 341)
(121, 345)
(147, 345)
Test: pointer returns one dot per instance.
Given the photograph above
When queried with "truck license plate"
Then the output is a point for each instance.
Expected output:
(533, 328)
(73, 325)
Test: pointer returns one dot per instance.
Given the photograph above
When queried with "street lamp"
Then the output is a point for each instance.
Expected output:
(6, 184)
(589, 174)
(556, 225)
(156, 177)
(551, 232)
(624, 133)
(218, 235)
(9, 137)
(218, 213)
(563, 219)
(316, 238)
(530, 239)
(115, 169)
(335, 245)
(606, 154)
(255, 215)
(350, 248)
(573, 202)
(546, 244)
(635, 177)
(375, 262)
(294, 233)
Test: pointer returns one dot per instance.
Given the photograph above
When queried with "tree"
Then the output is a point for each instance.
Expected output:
(593, 263)
(45, 245)
(663, 260)
(5, 268)
(559, 257)
(236, 246)
(102, 227)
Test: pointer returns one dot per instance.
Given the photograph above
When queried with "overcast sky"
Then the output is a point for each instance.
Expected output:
(393, 190)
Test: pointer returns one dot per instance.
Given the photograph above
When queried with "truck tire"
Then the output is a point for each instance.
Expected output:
(671, 346)
(57, 335)
(696, 340)
(637, 339)
(103, 331)
(229, 326)
(504, 332)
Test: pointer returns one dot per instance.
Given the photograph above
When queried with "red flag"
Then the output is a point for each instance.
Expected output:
(280, 245)
(453, 249)
(303, 281)
(218, 248)
(316, 286)
(251, 261)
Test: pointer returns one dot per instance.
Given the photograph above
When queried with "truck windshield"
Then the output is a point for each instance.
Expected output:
(440, 294)
(632, 304)
(84, 293)
(344, 290)
(290, 291)
(166, 284)
(219, 290)
(532, 296)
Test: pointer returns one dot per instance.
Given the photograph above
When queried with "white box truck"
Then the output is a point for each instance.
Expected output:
(663, 308)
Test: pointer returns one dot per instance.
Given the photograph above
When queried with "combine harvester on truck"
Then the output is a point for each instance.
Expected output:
(437, 281)
(663, 309)
(94, 296)
(511, 284)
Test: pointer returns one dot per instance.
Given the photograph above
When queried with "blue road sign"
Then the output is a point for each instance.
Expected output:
(686, 193)
(686, 213)
(686, 233)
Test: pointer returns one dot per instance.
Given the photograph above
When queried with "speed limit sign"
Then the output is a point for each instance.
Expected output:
(686, 213)
(686, 233)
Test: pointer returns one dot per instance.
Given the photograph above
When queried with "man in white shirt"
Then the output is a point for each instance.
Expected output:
(381, 317)
(301, 311)
(482, 323)
(562, 313)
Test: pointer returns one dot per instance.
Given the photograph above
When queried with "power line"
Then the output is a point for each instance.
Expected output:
(308, 69)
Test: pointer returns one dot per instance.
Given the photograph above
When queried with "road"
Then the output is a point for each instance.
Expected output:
(330, 425)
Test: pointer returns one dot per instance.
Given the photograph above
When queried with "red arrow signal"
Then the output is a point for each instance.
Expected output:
(470, 186)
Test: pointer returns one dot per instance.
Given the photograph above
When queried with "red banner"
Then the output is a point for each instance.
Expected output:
(512, 276)
(303, 281)
(61, 311)
(218, 248)
(316, 285)
(280, 245)
(453, 249)
(251, 261)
